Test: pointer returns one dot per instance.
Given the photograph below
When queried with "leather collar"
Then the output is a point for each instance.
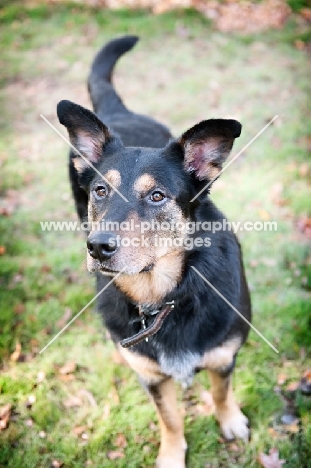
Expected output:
(146, 311)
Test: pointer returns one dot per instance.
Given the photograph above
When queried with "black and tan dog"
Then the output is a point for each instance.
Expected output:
(165, 319)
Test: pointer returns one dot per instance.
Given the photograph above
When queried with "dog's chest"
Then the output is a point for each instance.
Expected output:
(181, 366)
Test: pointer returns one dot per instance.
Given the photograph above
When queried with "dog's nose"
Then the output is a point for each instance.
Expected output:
(102, 245)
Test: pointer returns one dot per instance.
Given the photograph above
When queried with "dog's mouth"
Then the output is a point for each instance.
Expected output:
(110, 272)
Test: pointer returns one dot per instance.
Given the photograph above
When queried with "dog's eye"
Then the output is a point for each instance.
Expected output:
(101, 191)
(157, 197)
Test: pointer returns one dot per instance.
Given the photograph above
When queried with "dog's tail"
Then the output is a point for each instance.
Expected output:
(104, 97)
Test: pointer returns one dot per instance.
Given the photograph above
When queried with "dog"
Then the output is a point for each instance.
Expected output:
(169, 307)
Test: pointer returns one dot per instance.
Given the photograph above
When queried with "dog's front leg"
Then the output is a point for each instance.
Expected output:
(173, 445)
(232, 421)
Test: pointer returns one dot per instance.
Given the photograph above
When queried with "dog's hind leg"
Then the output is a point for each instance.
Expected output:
(232, 421)
(173, 445)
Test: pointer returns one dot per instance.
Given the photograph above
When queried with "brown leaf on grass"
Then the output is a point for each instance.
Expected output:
(66, 377)
(16, 354)
(30, 401)
(292, 387)
(78, 430)
(114, 455)
(305, 383)
(304, 226)
(281, 379)
(233, 447)
(85, 393)
(19, 308)
(2, 249)
(40, 376)
(64, 319)
(72, 401)
(56, 464)
(106, 411)
(272, 460)
(5, 414)
(45, 268)
(120, 441)
(68, 368)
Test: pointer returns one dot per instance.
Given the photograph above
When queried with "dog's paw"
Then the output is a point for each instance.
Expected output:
(234, 424)
(170, 462)
(172, 458)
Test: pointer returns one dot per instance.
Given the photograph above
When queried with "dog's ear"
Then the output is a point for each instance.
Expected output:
(207, 145)
(87, 133)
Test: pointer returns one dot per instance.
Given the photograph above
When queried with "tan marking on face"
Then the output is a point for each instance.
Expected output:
(144, 183)
(221, 357)
(147, 369)
(80, 164)
(151, 287)
(113, 177)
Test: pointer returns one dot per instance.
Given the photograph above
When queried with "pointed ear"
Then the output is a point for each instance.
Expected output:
(87, 133)
(207, 145)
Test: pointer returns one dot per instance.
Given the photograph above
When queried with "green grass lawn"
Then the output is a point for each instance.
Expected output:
(181, 72)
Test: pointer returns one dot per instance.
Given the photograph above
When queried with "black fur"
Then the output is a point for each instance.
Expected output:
(201, 319)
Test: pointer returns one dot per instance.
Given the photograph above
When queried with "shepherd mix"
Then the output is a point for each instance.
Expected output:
(165, 309)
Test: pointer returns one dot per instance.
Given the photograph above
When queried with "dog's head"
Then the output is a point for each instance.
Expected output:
(140, 198)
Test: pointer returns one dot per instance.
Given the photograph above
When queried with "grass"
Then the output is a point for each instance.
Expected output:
(192, 73)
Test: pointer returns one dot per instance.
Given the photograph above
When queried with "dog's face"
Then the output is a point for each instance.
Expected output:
(140, 198)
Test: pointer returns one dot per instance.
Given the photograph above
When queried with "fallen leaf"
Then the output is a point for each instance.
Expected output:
(304, 226)
(45, 268)
(89, 396)
(106, 411)
(78, 430)
(67, 377)
(234, 447)
(68, 368)
(19, 308)
(16, 354)
(120, 441)
(306, 13)
(263, 214)
(30, 401)
(114, 455)
(273, 432)
(72, 402)
(40, 376)
(290, 422)
(305, 383)
(5, 414)
(292, 387)
(272, 460)
(64, 319)
(56, 464)
(281, 379)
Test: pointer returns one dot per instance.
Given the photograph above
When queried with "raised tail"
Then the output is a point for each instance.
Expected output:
(103, 95)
